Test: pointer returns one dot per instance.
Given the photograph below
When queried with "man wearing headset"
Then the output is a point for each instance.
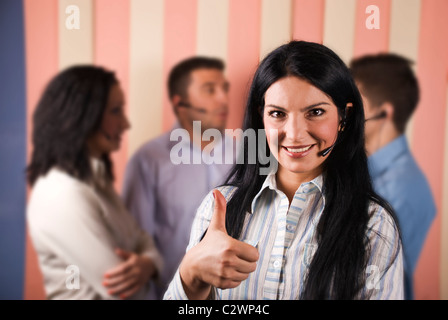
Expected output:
(390, 95)
(162, 189)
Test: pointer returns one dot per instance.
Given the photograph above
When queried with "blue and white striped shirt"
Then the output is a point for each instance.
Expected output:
(285, 236)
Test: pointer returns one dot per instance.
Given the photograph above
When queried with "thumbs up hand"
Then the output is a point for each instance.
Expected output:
(218, 260)
(218, 221)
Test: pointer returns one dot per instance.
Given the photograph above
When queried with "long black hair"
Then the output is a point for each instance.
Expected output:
(337, 270)
(69, 111)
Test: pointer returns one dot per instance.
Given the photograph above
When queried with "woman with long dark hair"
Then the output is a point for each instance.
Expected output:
(88, 245)
(314, 228)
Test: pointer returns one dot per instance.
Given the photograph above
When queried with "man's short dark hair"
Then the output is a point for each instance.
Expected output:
(388, 78)
(179, 77)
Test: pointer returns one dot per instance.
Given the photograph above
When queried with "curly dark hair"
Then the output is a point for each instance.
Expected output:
(68, 113)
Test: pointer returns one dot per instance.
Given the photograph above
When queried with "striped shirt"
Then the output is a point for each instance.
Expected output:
(285, 236)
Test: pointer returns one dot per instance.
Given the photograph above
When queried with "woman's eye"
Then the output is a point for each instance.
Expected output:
(276, 114)
(316, 112)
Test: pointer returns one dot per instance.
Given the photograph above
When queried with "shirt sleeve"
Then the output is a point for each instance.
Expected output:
(138, 192)
(200, 224)
(384, 271)
(70, 224)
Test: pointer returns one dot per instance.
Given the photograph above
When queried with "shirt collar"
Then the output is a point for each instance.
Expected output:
(382, 158)
(305, 188)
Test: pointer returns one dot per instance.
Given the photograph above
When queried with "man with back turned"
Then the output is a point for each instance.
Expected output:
(390, 95)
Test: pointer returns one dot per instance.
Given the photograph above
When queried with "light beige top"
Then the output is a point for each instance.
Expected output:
(75, 228)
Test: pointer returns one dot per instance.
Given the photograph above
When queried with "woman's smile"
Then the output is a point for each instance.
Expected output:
(298, 151)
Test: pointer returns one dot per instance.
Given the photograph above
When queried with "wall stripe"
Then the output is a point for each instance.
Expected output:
(75, 45)
(275, 24)
(146, 72)
(41, 44)
(371, 41)
(243, 54)
(404, 36)
(444, 226)
(141, 40)
(404, 28)
(212, 28)
(428, 141)
(112, 26)
(308, 20)
(12, 150)
(179, 43)
(340, 20)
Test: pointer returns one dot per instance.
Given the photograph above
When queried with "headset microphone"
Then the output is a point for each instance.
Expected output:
(324, 152)
(381, 115)
(187, 105)
(342, 125)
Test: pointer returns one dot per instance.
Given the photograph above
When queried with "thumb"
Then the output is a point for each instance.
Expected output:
(218, 221)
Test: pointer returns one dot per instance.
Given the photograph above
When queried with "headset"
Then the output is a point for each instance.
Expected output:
(187, 105)
(342, 125)
(381, 115)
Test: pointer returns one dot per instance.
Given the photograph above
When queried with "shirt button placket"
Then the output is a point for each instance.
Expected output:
(277, 264)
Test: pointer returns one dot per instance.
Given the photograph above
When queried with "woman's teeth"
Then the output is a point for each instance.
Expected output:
(297, 150)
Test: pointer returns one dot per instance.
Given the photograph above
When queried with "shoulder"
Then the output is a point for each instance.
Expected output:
(149, 157)
(382, 225)
(152, 149)
(205, 212)
(58, 193)
(208, 203)
(59, 183)
(406, 188)
(405, 174)
(227, 191)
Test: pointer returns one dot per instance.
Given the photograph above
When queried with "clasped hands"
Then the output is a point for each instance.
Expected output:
(129, 276)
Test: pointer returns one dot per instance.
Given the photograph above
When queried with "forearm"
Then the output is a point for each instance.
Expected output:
(194, 288)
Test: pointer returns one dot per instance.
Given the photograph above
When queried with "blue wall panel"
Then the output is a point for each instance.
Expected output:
(12, 150)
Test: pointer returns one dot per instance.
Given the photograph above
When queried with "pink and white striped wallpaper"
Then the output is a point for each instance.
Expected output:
(142, 39)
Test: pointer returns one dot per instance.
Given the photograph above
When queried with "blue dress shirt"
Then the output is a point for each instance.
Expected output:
(164, 197)
(398, 179)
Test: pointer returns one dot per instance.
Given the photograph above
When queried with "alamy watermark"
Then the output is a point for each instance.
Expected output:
(373, 20)
(73, 21)
(72, 281)
(373, 278)
(224, 147)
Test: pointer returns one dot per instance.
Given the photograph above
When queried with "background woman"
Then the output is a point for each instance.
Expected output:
(314, 229)
(87, 243)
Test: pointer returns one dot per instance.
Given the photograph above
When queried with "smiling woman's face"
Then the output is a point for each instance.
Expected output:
(307, 122)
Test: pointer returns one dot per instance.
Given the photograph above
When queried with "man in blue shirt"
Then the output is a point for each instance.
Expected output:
(167, 179)
(390, 95)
